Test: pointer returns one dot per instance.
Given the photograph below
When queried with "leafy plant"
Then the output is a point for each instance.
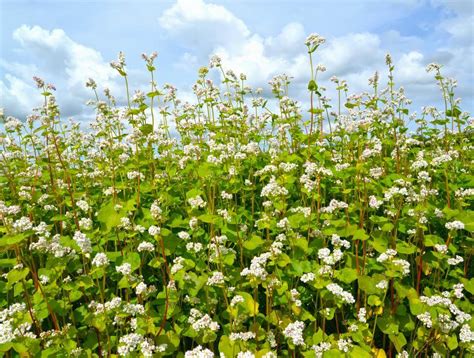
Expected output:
(231, 226)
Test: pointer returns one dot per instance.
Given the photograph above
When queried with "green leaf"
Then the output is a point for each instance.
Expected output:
(251, 307)
(452, 342)
(226, 346)
(387, 227)
(346, 275)
(108, 216)
(368, 284)
(12, 240)
(17, 275)
(358, 352)
(387, 324)
(405, 247)
(146, 129)
(374, 300)
(312, 86)
(398, 340)
(208, 218)
(253, 243)
(360, 234)
(468, 285)
(133, 258)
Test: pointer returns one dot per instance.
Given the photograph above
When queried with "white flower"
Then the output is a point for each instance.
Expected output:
(83, 242)
(43, 279)
(376, 172)
(141, 288)
(134, 174)
(433, 67)
(337, 290)
(283, 223)
(129, 343)
(457, 290)
(257, 267)
(226, 196)
(197, 202)
(154, 230)
(294, 331)
(139, 228)
(100, 260)
(441, 248)
(454, 225)
(273, 190)
(382, 285)
(147, 348)
(217, 278)
(178, 264)
(215, 61)
(456, 260)
(125, 269)
(338, 242)
(314, 40)
(22, 224)
(308, 277)
(145, 246)
(155, 211)
(334, 205)
(193, 223)
(242, 336)
(125, 223)
(387, 255)
(134, 309)
(201, 322)
(425, 318)
(404, 264)
(344, 344)
(82, 204)
(196, 247)
(465, 334)
(374, 203)
(183, 235)
(362, 315)
(85, 223)
(321, 348)
(236, 300)
(199, 352)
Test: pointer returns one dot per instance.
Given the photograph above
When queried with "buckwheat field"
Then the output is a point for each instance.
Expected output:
(230, 227)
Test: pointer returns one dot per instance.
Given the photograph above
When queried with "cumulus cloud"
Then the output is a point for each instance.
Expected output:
(203, 25)
(352, 53)
(196, 29)
(59, 60)
(354, 56)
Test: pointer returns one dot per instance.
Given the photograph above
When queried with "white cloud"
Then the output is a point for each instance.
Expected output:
(17, 96)
(251, 58)
(196, 29)
(203, 29)
(351, 53)
(410, 69)
(203, 25)
(288, 41)
(59, 60)
(457, 6)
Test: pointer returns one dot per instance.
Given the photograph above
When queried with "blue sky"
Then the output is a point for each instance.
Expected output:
(65, 42)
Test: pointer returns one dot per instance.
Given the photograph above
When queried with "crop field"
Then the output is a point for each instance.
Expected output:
(239, 225)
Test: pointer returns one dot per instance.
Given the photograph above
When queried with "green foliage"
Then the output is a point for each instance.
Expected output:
(239, 225)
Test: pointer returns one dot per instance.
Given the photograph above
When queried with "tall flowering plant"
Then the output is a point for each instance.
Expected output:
(234, 227)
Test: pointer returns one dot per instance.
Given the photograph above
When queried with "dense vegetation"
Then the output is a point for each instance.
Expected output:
(236, 227)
